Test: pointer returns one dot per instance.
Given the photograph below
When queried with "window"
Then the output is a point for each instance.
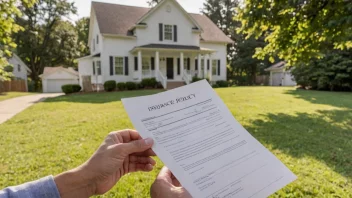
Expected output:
(202, 64)
(214, 67)
(97, 39)
(168, 32)
(93, 45)
(145, 64)
(118, 65)
(99, 68)
(185, 63)
(19, 68)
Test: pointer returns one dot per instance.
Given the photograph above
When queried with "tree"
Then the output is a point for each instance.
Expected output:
(298, 30)
(82, 29)
(9, 10)
(46, 39)
(153, 2)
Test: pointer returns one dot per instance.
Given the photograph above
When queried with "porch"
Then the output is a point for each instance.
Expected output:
(173, 63)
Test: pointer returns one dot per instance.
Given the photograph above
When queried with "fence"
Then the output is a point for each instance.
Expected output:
(13, 85)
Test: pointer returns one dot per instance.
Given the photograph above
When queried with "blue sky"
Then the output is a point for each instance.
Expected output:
(83, 6)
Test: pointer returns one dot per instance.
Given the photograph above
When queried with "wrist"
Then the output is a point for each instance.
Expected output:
(74, 183)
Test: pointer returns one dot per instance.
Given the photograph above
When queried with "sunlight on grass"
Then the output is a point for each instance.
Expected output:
(9, 95)
(311, 132)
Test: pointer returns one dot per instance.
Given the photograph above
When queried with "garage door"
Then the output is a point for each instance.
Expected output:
(277, 78)
(54, 86)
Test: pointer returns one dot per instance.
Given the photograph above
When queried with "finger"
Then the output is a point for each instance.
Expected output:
(142, 160)
(165, 174)
(136, 146)
(146, 153)
(140, 167)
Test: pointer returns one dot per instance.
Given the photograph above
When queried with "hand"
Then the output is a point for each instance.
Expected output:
(167, 186)
(122, 152)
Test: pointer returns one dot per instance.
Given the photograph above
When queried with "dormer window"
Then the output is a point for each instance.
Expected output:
(168, 32)
(97, 39)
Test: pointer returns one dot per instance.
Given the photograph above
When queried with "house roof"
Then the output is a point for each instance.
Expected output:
(118, 19)
(277, 66)
(50, 70)
(20, 60)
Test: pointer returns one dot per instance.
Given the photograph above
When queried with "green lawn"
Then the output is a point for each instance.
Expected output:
(9, 95)
(311, 132)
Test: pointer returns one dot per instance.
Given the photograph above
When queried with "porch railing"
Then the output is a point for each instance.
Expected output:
(163, 79)
(187, 77)
(148, 74)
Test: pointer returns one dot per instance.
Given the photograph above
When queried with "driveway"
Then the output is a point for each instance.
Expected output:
(11, 107)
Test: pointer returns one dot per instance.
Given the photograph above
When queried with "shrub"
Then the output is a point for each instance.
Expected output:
(159, 85)
(215, 86)
(121, 86)
(195, 79)
(110, 85)
(149, 83)
(68, 89)
(222, 83)
(131, 86)
(140, 86)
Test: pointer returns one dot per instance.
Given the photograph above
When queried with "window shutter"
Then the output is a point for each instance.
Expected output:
(219, 67)
(188, 64)
(196, 64)
(175, 33)
(208, 65)
(111, 65)
(178, 66)
(152, 63)
(126, 65)
(93, 68)
(160, 31)
(135, 63)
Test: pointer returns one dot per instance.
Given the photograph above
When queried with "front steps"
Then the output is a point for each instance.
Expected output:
(173, 85)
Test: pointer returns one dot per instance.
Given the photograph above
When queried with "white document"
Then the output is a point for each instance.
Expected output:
(206, 149)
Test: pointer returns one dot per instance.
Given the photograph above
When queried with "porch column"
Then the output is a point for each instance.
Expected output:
(205, 66)
(157, 65)
(199, 66)
(140, 65)
(210, 68)
(181, 63)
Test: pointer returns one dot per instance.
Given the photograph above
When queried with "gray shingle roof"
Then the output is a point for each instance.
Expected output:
(276, 66)
(118, 19)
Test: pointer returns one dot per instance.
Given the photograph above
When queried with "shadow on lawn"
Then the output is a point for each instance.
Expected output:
(99, 98)
(310, 135)
(337, 99)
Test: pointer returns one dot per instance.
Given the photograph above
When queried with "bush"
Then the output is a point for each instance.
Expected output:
(149, 83)
(159, 85)
(68, 89)
(222, 83)
(131, 86)
(110, 85)
(215, 86)
(140, 86)
(121, 86)
(195, 79)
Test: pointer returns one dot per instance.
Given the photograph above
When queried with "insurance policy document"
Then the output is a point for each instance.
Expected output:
(207, 150)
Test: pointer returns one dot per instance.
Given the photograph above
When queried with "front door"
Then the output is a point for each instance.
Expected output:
(170, 68)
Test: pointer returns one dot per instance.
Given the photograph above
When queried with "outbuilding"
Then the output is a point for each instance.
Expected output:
(53, 78)
(280, 75)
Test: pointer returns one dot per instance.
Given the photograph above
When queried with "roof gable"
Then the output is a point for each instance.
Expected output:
(48, 71)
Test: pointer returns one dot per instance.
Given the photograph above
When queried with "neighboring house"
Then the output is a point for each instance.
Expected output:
(132, 43)
(279, 76)
(20, 69)
(53, 78)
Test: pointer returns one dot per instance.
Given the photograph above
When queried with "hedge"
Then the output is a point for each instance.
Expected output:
(149, 83)
(121, 86)
(110, 85)
(71, 88)
(131, 86)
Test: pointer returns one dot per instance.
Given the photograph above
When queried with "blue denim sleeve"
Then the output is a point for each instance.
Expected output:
(42, 188)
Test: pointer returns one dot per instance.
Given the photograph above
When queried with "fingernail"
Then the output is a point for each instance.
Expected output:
(149, 141)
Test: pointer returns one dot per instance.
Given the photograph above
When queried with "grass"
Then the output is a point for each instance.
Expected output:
(311, 132)
(9, 95)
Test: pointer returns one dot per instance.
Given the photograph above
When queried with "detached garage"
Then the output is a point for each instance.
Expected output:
(53, 78)
(279, 76)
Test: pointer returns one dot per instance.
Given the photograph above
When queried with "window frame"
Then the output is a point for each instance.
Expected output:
(97, 39)
(216, 67)
(98, 67)
(185, 63)
(171, 33)
(144, 60)
(19, 68)
(123, 65)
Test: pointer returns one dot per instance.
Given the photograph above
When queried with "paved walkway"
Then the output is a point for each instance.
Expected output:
(11, 107)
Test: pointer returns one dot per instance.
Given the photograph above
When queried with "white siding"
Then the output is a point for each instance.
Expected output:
(221, 53)
(95, 32)
(23, 70)
(175, 17)
(53, 82)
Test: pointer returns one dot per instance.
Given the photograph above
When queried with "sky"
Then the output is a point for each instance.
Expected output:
(83, 6)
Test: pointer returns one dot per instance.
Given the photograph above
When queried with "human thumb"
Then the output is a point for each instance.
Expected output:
(137, 146)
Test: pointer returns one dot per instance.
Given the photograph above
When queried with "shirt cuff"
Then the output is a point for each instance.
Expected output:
(42, 188)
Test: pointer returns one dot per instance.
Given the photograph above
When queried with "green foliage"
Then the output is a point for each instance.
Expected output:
(333, 72)
(309, 131)
(68, 89)
(9, 95)
(8, 26)
(215, 86)
(222, 83)
(82, 30)
(149, 83)
(297, 30)
(121, 86)
(110, 85)
(196, 79)
(131, 86)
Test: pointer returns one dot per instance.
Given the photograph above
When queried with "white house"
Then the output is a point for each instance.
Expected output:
(279, 76)
(132, 43)
(53, 78)
(20, 69)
